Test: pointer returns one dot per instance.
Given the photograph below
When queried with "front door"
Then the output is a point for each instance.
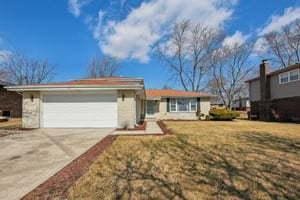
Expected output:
(151, 108)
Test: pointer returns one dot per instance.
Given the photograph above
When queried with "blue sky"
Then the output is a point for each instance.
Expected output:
(69, 32)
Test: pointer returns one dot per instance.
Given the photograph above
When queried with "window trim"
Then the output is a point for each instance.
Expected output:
(295, 70)
(176, 105)
(288, 73)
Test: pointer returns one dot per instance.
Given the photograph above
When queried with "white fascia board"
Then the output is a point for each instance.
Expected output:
(71, 88)
(187, 97)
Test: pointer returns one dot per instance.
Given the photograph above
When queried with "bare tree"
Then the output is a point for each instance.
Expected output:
(2, 75)
(22, 70)
(231, 67)
(103, 67)
(187, 50)
(284, 45)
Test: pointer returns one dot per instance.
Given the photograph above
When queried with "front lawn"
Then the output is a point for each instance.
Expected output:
(203, 160)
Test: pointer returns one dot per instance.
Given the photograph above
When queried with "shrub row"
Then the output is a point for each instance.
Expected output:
(223, 114)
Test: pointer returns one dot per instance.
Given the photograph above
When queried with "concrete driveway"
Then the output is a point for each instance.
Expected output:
(30, 158)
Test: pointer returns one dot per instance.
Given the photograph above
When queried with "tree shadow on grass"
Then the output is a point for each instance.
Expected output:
(140, 178)
(262, 166)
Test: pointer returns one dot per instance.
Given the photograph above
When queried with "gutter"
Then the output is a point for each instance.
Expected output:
(72, 87)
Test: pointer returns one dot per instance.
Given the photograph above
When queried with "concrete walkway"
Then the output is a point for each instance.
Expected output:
(151, 128)
(30, 158)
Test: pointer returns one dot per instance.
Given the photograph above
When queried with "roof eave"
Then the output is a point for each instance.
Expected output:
(73, 87)
(159, 97)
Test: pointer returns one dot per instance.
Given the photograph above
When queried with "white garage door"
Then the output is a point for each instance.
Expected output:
(79, 110)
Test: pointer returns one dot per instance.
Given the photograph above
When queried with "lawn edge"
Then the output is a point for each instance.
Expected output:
(164, 128)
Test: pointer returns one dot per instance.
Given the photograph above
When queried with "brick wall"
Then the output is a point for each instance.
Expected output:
(10, 101)
(285, 109)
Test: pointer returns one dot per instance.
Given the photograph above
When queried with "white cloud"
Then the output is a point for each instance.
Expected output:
(97, 28)
(134, 36)
(4, 55)
(260, 46)
(76, 5)
(277, 22)
(236, 39)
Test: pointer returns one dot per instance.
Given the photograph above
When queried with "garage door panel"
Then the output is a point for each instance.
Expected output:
(92, 110)
(78, 98)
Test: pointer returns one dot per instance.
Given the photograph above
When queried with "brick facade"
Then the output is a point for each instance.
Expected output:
(285, 109)
(11, 102)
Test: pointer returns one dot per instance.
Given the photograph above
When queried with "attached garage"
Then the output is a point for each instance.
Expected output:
(108, 102)
(79, 110)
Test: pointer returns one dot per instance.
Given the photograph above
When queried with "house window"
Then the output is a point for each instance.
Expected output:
(294, 75)
(173, 105)
(183, 105)
(283, 78)
(289, 76)
(194, 105)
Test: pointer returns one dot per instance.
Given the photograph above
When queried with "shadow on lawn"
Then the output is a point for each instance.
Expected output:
(177, 168)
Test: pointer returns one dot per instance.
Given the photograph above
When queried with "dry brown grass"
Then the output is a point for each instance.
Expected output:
(10, 127)
(11, 123)
(203, 160)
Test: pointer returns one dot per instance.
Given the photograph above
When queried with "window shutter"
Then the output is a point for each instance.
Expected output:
(168, 104)
(198, 106)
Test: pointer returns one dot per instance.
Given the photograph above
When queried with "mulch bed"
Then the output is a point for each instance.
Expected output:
(56, 187)
(140, 127)
(163, 127)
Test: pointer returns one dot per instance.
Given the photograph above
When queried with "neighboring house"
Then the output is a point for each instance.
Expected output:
(276, 95)
(217, 103)
(176, 104)
(10, 102)
(104, 102)
(242, 103)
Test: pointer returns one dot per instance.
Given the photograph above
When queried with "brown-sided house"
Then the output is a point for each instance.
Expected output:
(10, 102)
(276, 95)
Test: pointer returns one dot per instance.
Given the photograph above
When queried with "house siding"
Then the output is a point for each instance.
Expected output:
(205, 106)
(290, 89)
(254, 89)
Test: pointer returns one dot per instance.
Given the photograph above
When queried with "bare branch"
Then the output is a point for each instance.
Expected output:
(230, 69)
(102, 67)
(187, 50)
(22, 70)
(284, 45)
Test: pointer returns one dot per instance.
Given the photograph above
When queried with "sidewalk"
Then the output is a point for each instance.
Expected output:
(151, 129)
